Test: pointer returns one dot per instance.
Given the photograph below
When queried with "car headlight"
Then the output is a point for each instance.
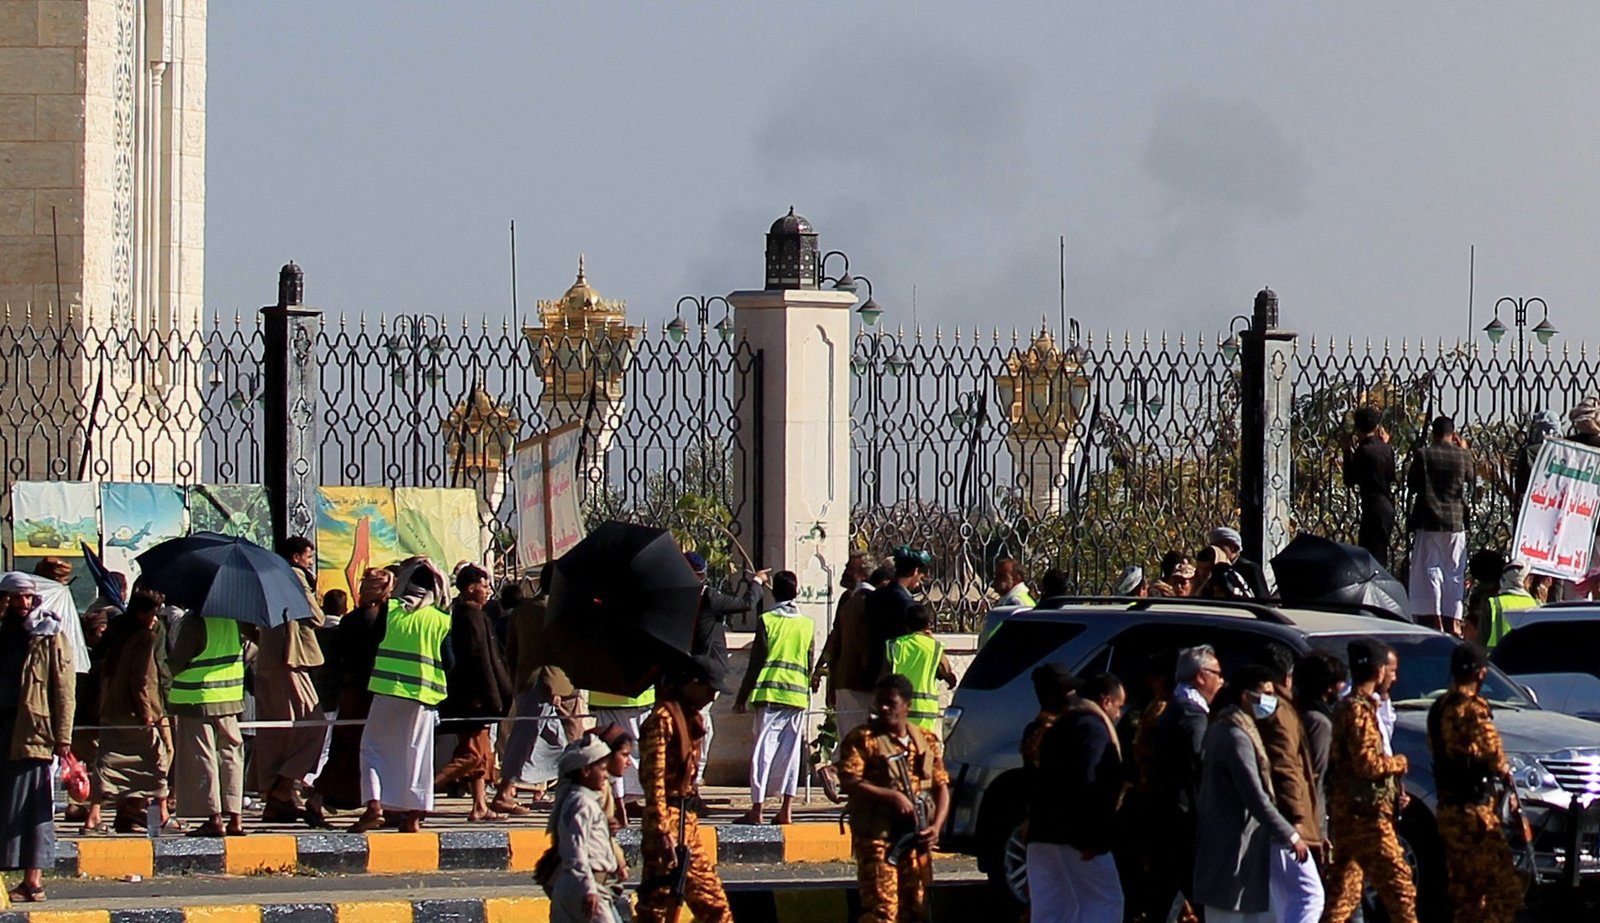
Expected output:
(952, 714)
(1530, 774)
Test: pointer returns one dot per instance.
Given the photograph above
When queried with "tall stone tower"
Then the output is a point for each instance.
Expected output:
(583, 348)
(102, 228)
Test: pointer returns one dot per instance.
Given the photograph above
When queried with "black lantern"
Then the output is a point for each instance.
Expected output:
(791, 253)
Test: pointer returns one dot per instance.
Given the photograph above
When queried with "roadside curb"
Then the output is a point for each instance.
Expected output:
(388, 853)
(763, 905)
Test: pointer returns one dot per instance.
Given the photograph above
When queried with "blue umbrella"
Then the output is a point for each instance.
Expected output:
(225, 577)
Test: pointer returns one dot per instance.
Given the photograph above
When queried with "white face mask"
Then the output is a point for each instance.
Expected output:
(1265, 706)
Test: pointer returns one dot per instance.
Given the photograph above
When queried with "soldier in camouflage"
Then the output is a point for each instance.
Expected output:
(1467, 761)
(1365, 796)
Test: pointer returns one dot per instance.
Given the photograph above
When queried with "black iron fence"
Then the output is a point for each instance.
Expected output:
(413, 401)
(1086, 456)
(955, 437)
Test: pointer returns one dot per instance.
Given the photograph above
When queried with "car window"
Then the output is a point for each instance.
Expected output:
(1550, 647)
(1017, 645)
(1425, 670)
(1132, 649)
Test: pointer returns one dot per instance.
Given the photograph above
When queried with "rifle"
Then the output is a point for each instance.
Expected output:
(676, 879)
(900, 772)
(1518, 831)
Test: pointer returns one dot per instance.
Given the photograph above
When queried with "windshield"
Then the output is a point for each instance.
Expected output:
(1425, 670)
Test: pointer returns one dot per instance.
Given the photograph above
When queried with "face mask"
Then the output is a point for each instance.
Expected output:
(1265, 707)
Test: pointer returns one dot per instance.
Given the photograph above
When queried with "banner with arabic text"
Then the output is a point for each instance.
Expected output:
(1556, 528)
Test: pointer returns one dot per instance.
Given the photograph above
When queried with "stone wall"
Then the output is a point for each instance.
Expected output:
(102, 226)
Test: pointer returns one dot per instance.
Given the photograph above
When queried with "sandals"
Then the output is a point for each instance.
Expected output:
(511, 809)
(207, 829)
(489, 818)
(26, 894)
(101, 829)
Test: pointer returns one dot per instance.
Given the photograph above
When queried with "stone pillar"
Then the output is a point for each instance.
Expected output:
(1040, 467)
(795, 424)
(291, 461)
(1266, 463)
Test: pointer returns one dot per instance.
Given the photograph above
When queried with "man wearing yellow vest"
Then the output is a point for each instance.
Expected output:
(777, 682)
(919, 657)
(207, 698)
(1492, 623)
(408, 683)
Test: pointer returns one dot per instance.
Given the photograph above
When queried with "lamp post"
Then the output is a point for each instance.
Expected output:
(1544, 332)
(870, 310)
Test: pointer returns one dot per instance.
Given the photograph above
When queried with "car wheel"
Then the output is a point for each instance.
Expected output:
(1014, 865)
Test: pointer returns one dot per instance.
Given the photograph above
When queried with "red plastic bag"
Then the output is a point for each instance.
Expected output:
(75, 778)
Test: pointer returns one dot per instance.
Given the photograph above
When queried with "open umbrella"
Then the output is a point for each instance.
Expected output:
(1314, 569)
(622, 609)
(222, 576)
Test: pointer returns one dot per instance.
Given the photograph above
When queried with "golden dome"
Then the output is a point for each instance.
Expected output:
(581, 306)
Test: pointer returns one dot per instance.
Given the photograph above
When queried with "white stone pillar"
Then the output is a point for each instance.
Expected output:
(1040, 469)
(803, 438)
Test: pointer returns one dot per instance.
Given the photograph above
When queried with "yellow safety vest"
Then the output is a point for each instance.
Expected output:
(408, 664)
(607, 700)
(1498, 606)
(916, 657)
(785, 677)
(216, 676)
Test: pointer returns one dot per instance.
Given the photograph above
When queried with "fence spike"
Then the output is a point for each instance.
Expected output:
(8, 312)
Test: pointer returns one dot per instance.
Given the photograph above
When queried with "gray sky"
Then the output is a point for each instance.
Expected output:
(1347, 154)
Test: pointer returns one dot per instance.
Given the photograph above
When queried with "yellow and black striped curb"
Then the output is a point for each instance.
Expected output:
(383, 853)
(782, 905)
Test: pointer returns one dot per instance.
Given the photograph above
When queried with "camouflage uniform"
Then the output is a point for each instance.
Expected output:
(1363, 788)
(889, 893)
(1484, 885)
(1032, 734)
(666, 783)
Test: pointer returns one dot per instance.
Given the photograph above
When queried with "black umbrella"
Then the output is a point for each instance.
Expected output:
(225, 577)
(1314, 569)
(622, 609)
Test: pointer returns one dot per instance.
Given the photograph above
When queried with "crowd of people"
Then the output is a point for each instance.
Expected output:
(1268, 794)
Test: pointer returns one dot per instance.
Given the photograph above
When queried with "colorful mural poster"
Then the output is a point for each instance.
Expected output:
(137, 517)
(54, 518)
(440, 522)
(356, 529)
(533, 529)
(231, 509)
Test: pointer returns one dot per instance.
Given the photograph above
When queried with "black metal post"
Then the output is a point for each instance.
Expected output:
(291, 462)
(1253, 424)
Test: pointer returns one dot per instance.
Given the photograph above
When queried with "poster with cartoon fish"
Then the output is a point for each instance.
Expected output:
(135, 518)
(356, 529)
(54, 518)
(440, 522)
(231, 509)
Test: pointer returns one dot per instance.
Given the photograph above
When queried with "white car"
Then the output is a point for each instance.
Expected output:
(1554, 651)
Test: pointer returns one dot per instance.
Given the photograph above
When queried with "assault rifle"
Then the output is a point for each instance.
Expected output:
(921, 805)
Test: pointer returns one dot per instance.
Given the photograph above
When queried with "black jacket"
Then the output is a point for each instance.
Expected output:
(886, 620)
(711, 622)
(1078, 806)
(1175, 776)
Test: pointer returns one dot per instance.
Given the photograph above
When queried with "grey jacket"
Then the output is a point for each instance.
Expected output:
(1239, 827)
